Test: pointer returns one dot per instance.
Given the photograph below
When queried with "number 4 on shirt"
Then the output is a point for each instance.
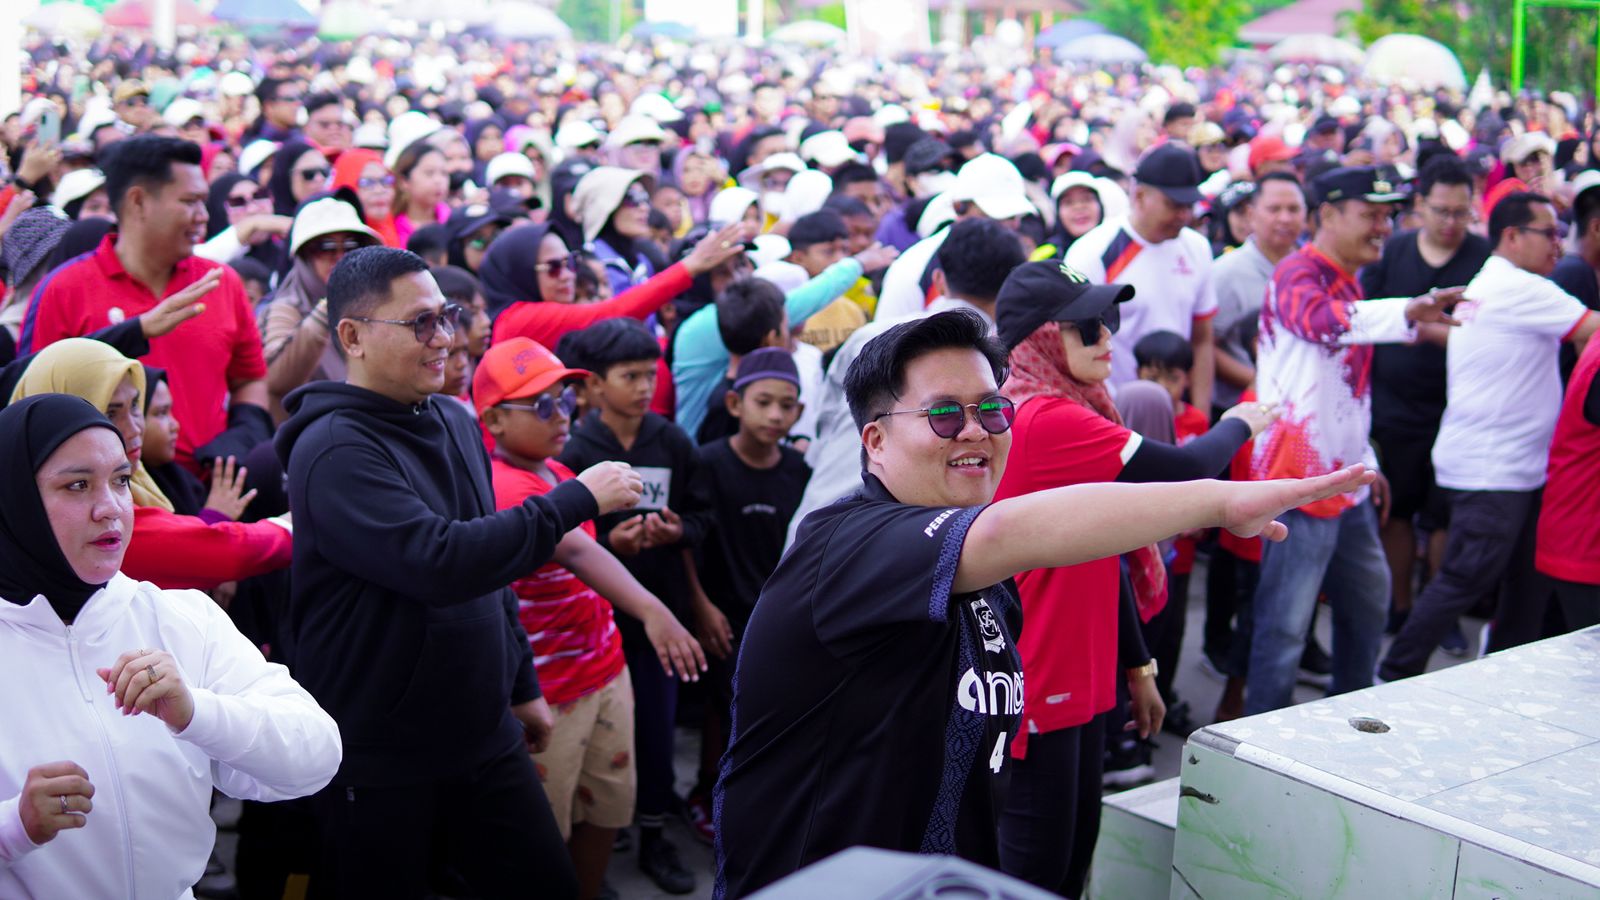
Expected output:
(998, 757)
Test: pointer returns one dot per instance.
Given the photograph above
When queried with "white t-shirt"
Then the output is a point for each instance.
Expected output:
(1504, 380)
(902, 293)
(1172, 280)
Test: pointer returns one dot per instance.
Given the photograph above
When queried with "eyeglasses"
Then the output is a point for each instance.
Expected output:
(1089, 329)
(333, 245)
(380, 181)
(636, 196)
(313, 174)
(546, 407)
(425, 325)
(947, 420)
(1552, 233)
(239, 201)
(554, 267)
(1450, 215)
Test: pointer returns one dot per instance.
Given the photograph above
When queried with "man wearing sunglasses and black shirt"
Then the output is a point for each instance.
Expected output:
(879, 684)
(400, 619)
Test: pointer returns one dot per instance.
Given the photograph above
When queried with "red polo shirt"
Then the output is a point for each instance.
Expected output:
(203, 357)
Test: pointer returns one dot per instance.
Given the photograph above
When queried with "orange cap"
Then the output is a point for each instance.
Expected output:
(1269, 149)
(517, 368)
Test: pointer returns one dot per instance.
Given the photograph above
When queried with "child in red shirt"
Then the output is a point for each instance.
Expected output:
(525, 398)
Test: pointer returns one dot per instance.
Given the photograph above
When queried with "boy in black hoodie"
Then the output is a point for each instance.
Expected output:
(403, 626)
(655, 542)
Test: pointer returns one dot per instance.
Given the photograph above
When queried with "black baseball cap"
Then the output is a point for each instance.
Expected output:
(1368, 183)
(1050, 291)
(467, 219)
(928, 155)
(1173, 169)
(1325, 125)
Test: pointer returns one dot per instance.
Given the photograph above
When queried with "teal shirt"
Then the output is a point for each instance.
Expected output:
(700, 359)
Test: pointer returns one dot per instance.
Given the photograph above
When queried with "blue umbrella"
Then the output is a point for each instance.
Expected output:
(264, 12)
(1063, 33)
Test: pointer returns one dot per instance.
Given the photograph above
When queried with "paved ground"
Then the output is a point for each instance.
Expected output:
(1193, 683)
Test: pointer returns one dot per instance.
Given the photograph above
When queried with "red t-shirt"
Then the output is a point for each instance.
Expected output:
(1568, 546)
(1248, 549)
(204, 357)
(1187, 425)
(1069, 644)
(577, 649)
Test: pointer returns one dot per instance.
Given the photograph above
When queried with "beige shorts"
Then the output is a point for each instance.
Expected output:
(588, 770)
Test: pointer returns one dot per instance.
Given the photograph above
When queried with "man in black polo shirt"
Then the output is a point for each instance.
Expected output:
(879, 684)
(1408, 380)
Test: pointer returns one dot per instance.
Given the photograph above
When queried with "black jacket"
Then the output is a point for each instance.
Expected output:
(402, 623)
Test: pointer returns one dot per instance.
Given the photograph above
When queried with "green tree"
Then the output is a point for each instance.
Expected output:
(1182, 32)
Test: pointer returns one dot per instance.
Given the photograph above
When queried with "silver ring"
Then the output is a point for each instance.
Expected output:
(64, 810)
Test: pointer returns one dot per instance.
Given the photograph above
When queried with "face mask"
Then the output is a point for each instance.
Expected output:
(930, 183)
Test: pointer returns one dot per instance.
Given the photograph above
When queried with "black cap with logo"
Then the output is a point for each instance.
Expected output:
(1174, 169)
(1369, 183)
(1050, 291)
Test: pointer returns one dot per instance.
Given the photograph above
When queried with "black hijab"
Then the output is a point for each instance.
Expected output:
(509, 272)
(217, 202)
(187, 494)
(281, 184)
(30, 430)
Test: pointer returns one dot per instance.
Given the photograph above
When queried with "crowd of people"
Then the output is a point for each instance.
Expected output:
(499, 396)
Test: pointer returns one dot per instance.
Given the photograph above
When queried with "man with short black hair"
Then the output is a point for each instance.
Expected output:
(879, 683)
(1314, 361)
(1179, 121)
(403, 624)
(1277, 215)
(1579, 273)
(329, 123)
(1408, 380)
(1167, 262)
(280, 110)
(1494, 439)
(214, 363)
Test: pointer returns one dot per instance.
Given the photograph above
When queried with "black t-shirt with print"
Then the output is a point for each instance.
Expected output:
(752, 508)
(871, 706)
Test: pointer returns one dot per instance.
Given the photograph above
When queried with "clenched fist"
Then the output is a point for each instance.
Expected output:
(615, 485)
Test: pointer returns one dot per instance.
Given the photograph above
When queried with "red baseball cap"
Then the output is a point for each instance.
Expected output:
(1269, 149)
(517, 368)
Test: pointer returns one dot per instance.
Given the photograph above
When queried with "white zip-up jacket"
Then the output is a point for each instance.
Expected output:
(256, 734)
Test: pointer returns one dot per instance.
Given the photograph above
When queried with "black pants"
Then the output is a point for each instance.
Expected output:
(1165, 632)
(1052, 808)
(492, 829)
(655, 711)
(1491, 544)
(1222, 594)
(1580, 603)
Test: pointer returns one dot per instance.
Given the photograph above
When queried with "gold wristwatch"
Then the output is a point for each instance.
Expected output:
(1148, 670)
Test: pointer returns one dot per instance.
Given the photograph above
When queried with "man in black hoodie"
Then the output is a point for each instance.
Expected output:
(402, 624)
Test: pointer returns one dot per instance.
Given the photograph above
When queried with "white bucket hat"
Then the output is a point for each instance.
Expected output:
(329, 215)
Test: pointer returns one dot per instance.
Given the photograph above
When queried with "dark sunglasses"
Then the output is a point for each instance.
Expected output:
(313, 174)
(995, 415)
(240, 202)
(636, 196)
(380, 181)
(555, 267)
(426, 325)
(333, 245)
(546, 407)
(1089, 329)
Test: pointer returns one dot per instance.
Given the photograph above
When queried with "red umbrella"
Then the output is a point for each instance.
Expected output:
(141, 14)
